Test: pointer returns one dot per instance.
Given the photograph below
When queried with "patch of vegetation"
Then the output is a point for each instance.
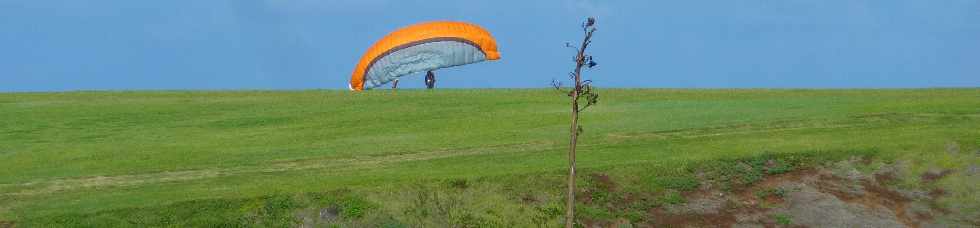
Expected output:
(770, 192)
(739, 173)
(783, 219)
(594, 212)
(448, 206)
(685, 182)
(547, 213)
(672, 197)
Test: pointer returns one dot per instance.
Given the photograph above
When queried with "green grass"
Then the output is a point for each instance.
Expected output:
(98, 158)
(783, 219)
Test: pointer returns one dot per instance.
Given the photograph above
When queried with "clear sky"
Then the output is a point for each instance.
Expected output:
(57, 45)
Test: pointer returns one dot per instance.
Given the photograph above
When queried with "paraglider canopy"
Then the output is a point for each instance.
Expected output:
(422, 47)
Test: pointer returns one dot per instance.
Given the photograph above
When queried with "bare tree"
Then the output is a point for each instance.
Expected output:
(582, 89)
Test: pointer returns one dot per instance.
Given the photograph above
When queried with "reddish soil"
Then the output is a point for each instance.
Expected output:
(604, 182)
(936, 193)
(882, 196)
(933, 176)
(529, 199)
(664, 219)
(885, 177)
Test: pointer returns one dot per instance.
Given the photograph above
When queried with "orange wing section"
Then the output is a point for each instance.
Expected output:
(424, 31)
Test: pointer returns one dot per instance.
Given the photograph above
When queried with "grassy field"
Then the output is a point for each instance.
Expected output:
(431, 158)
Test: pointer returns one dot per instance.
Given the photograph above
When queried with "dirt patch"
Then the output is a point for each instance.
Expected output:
(936, 193)
(808, 206)
(885, 177)
(714, 208)
(528, 198)
(584, 197)
(803, 198)
(924, 216)
(599, 183)
(604, 182)
(879, 195)
(7, 224)
(663, 218)
(934, 175)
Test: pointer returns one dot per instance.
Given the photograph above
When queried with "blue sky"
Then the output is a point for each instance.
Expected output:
(57, 45)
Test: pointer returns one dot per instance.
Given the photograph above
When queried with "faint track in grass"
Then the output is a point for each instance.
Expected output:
(58, 185)
(856, 121)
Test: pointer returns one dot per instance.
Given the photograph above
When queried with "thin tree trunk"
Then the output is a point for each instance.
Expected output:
(570, 205)
(579, 62)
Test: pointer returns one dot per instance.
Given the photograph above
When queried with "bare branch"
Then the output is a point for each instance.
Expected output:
(573, 47)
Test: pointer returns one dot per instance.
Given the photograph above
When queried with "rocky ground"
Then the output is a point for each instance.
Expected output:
(838, 196)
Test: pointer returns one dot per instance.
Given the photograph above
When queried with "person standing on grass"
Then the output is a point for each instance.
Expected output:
(430, 80)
